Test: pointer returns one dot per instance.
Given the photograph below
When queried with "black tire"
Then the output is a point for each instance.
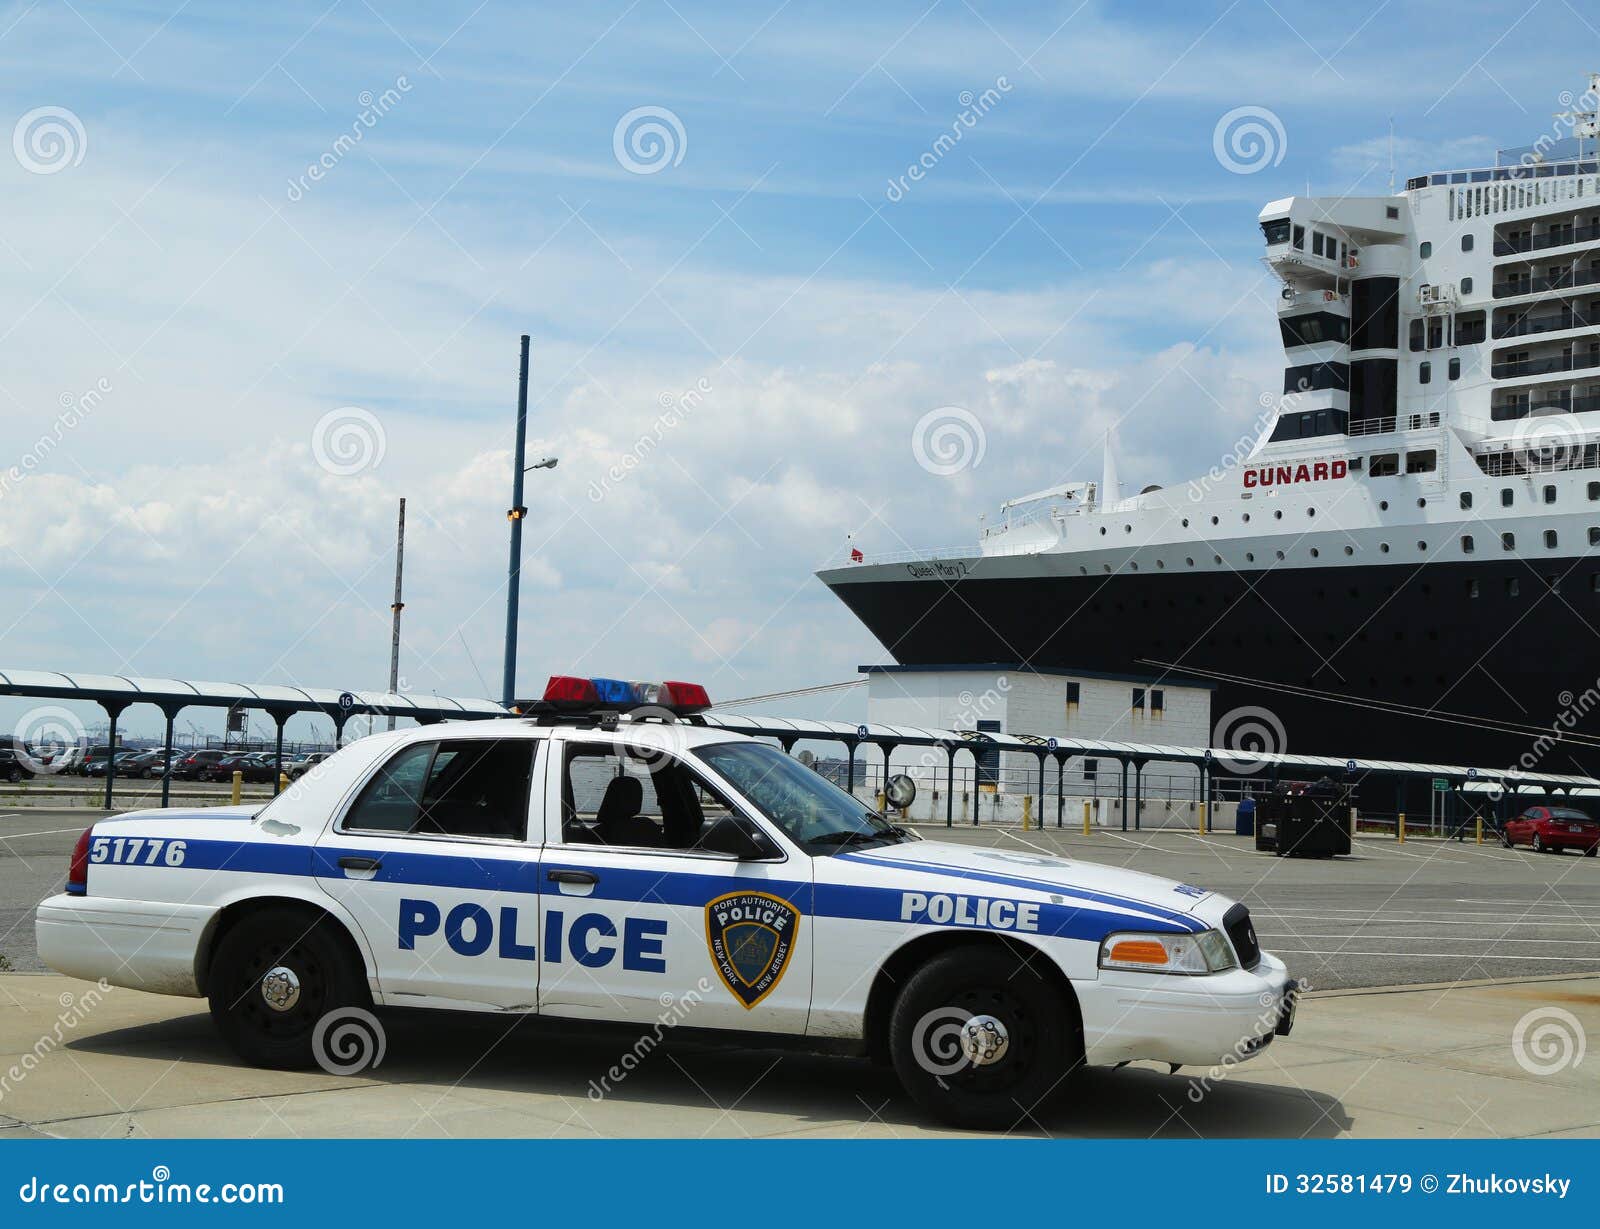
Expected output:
(1505, 840)
(14, 775)
(1591, 851)
(1538, 844)
(320, 955)
(1041, 1027)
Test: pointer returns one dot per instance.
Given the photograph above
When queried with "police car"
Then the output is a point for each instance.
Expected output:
(609, 854)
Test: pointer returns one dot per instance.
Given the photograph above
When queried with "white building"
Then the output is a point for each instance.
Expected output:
(1063, 704)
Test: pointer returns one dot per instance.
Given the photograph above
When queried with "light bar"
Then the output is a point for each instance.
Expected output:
(569, 693)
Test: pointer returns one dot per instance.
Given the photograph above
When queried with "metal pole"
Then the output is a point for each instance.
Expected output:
(1124, 795)
(111, 755)
(508, 690)
(950, 787)
(166, 772)
(1061, 789)
(277, 752)
(398, 606)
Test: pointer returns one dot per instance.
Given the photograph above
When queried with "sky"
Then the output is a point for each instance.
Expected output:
(263, 272)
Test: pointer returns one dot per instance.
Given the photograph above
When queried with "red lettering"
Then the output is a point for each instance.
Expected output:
(1285, 474)
(1249, 478)
(1302, 474)
(1319, 471)
(1340, 469)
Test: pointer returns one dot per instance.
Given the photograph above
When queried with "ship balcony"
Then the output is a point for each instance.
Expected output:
(1305, 271)
(1553, 281)
(1544, 366)
(1549, 399)
(1536, 241)
(1555, 325)
(1393, 422)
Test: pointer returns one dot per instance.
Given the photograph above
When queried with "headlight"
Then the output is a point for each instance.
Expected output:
(1165, 953)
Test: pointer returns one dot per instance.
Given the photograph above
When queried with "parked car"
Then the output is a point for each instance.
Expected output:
(200, 766)
(1552, 829)
(97, 756)
(298, 768)
(14, 767)
(122, 758)
(251, 768)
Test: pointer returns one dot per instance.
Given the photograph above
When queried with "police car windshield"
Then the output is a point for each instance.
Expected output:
(812, 811)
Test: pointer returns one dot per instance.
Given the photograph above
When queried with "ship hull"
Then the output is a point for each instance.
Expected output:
(1472, 646)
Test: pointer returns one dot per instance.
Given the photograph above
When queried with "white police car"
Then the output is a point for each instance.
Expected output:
(609, 855)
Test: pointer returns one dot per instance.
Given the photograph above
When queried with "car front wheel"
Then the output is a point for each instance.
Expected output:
(979, 1039)
(276, 977)
(1538, 843)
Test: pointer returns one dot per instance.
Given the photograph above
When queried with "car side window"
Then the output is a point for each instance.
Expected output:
(469, 787)
(645, 800)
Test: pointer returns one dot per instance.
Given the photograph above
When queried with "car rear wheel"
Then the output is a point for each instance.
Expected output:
(275, 977)
(979, 1039)
(1538, 843)
(1591, 851)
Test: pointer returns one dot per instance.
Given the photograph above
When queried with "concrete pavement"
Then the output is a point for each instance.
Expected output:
(1422, 1062)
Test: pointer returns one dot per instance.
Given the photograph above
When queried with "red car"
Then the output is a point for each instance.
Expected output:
(1552, 829)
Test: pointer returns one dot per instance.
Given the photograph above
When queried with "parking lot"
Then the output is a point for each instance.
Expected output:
(1425, 957)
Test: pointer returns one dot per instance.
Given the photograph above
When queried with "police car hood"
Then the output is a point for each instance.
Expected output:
(1014, 868)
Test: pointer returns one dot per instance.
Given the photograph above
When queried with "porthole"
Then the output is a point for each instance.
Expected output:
(1277, 515)
(1106, 566)
(1188, 560)
(1082, 571)
(1422, 546)
(1133, 566)
(1186, 522)
(1311, 511)
(1313, 552)
(1280, 554)
(1161, 563)
(1422, 503)
(1383, 506)
(1127, 529)
(1102, 531)
(1249, 557)
(1349, 550)
(1216, 558)
(1214, 521)
(1246, 518)
(1383, 548)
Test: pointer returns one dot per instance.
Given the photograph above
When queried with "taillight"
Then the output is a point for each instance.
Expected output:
(78, 868)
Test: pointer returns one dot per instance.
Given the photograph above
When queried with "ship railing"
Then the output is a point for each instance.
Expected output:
(1550, 239)
(936, 554)
(1394, 422)
(1565, 280)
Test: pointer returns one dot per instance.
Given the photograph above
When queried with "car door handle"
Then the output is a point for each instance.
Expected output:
(581, 877)
(360, 864)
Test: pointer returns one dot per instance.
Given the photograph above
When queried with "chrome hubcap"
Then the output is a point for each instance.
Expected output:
(984, 1040)
(280, 988)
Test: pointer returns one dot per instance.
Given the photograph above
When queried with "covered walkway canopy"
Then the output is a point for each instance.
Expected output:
(115, 693)
(789, 731)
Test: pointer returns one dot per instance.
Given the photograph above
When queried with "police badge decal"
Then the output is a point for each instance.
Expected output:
(750, 935)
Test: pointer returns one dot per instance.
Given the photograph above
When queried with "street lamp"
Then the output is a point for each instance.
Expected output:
(516, 515)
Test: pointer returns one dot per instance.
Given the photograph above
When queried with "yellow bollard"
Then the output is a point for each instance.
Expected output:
(1027, 812)
(1478, 823)
(1400, 827)
(1086, 817)
(882, 801)
(1202, 819)
(283, 781)
(238, 785)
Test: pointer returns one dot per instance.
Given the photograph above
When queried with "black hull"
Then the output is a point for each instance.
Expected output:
(1407, 636)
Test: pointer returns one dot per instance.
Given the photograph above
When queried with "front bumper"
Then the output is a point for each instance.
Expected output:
(139, 944)
(1194, 1021)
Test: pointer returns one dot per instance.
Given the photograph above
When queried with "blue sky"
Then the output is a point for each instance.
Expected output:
(1080, 260)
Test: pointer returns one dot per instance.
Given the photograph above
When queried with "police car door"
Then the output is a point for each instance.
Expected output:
(434, 861)
(646, 913)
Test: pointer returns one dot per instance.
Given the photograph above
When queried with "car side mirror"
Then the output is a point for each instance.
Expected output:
(738, 839)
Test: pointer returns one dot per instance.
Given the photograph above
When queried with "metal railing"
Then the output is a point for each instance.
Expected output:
(1545, 366)
(1550, 239)
(1377, 426)
(1558, 281)
(1547, 324)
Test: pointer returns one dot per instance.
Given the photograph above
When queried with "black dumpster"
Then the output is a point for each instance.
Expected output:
(1305, 821)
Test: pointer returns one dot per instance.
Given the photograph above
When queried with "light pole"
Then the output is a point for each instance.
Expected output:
(516, 514)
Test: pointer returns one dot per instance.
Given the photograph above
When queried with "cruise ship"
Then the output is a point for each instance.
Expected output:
(1405, 565)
